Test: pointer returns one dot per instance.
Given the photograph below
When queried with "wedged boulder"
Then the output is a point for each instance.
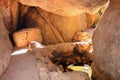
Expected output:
(106, 44)
(65, 54)
(66, 7)
(5, 46)
(60, 28)
(23, 37)
(55, 28)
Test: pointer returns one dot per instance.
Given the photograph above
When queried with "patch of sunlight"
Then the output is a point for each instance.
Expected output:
(85, 68)
(82, 43)
(36, 44)
(21, 51)
(33, 44)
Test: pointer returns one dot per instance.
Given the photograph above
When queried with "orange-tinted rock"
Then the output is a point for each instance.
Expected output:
(60, 28)
(106, 44)
(94, 18)
(55, 28)
(24, 37)
(5, 46)
(66, 7)
(63, 50)
(82, 47)
(82, 36)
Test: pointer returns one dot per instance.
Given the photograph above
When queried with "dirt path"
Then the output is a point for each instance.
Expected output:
(22, 67)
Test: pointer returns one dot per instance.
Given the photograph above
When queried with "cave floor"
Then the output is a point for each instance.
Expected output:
(22, 67)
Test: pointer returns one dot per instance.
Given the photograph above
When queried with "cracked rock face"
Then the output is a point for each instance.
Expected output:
(106, 44)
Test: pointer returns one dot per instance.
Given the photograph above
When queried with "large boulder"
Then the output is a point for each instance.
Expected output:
(24, 37)
(5, 46)
(55, 28)
(50, 70)
(66, 7)
(106, 44)
(8, 22)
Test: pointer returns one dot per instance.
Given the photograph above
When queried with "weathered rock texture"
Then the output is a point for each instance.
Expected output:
(23, 37)
(8, 23)
(82, 36)
(106, 44)
(93, 19)
(5, 46)
(55, 28)
(49, 71)
(66, 7)
(9, 11)
(22, 67)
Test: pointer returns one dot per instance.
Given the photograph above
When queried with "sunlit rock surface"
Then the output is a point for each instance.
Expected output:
(58, 28)
(66, 7)
(23, 37)
(55, 28)
(59, 20)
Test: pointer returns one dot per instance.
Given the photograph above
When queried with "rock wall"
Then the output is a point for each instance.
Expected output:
(9, 11)
(55, 28)
(8, 22)
(24, 37)
(59, 21)
(66, 7)
(106, 44)
(5, 46)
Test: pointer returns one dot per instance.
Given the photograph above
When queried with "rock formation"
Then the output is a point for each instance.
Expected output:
(55, 28)
(9, 11)
(66, 7)
(8, 21)
(23, 37)
(49, 71)
(106, 44)
(59, 21)
(5, 46)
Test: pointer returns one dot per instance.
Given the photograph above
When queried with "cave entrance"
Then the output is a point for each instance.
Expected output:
(39, 26)
(61, 45)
